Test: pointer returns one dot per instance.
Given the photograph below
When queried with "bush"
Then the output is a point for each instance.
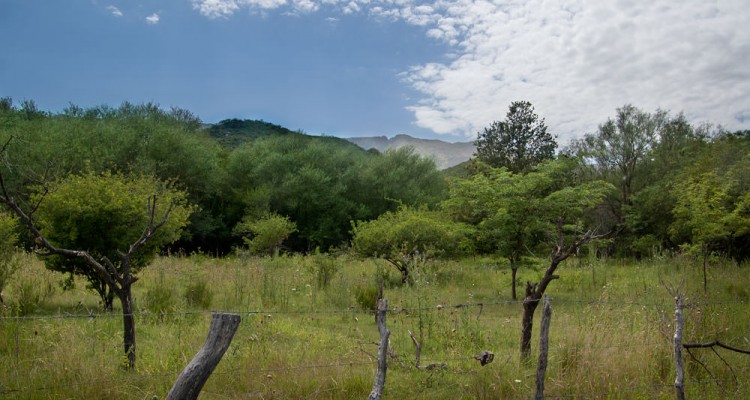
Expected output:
(366, 296)
(197, 294)
(323, 267)
(265, 235)
(30, 289)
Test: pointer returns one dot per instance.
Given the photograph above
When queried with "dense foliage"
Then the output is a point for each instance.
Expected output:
(105, 214)
(409, 235)
(518, 143)
(233, 170)
(663, 168)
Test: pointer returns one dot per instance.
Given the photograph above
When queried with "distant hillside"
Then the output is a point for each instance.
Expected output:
(445, 154)
(234, 132)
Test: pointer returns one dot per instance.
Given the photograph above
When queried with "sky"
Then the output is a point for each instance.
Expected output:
(435, 70)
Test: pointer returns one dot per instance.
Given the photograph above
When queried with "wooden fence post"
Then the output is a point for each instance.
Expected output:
(377, 388)
(543, 348)
(196, 373)
(679, 366)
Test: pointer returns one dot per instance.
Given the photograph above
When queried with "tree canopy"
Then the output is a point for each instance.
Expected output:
(104, 214)
(518, 143)
(400, 236)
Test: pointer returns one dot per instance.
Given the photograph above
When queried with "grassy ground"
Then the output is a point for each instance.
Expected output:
(306, 334)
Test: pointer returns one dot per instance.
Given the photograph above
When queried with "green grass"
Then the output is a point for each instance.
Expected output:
(306, 332)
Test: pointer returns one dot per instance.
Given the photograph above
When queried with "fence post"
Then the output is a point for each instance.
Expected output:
(377, 388)
(679, 366)
(543, 348)
(196, 373)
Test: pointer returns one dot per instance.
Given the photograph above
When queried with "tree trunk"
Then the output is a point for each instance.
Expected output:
(513, 270)
(529, 307)
(128, 322)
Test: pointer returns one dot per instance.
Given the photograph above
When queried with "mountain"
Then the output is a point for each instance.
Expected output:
(445, 154)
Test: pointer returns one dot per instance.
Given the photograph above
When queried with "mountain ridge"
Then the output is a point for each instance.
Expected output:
(445, 154)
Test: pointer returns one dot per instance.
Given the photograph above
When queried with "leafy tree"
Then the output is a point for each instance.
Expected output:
(650, 215)
(119, 220)
(518, 143)
(104, 214)
(617, 150)
(513, 212)
(265, 235)
(400, 236)
(712, 209)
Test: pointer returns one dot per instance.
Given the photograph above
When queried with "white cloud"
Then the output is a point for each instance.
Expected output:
(575, 60)
(153, 19)
(115, 11)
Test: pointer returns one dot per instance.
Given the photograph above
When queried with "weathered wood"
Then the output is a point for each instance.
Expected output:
(543, 347)
(679, 384)
(417, 349)
(377, 387)
(196, 373)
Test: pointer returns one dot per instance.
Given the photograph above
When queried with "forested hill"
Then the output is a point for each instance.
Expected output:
(231, 133)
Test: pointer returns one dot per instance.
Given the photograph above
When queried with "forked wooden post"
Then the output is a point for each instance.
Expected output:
(543, 348)
(377, 388)
(679, 384)
(196, 373)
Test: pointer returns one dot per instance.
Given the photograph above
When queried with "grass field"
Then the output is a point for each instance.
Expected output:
(306, 331)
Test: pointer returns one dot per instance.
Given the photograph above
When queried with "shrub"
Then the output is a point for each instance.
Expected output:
(197, 294)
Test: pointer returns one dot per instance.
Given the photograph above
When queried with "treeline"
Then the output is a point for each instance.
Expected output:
(654, 182)
(233, 171)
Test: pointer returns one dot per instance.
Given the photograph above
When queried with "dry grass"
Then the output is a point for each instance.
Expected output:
(610, 334)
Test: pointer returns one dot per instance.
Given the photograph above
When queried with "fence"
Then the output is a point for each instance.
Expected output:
(443, 349)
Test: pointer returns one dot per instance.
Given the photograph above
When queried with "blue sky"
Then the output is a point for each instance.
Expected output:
(440, 69)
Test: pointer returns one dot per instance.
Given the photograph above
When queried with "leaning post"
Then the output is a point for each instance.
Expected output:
(190, 382)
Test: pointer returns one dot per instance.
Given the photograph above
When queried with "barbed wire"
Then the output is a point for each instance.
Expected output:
(353, 310)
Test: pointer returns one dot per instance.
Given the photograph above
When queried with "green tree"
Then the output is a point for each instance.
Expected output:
(515, 213)
(408, 233)
(104, 213)
(518, 143)
(119, 220)
(266, 234)
(618, 149)
(712, 209)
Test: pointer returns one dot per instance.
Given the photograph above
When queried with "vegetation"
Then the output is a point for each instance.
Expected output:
(105, 214)
(610, 336)
(408, 236)
(100, 192)
(518, 143)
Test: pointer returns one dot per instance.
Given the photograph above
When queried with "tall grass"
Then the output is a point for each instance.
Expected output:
(307, 334)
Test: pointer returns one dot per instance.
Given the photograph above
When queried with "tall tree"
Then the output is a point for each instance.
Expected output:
(518, 143)
(618, 148)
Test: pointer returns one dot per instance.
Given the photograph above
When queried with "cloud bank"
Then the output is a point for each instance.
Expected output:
(576, 61)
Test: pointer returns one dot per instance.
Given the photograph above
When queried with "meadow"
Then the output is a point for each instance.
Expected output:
(308, 331)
